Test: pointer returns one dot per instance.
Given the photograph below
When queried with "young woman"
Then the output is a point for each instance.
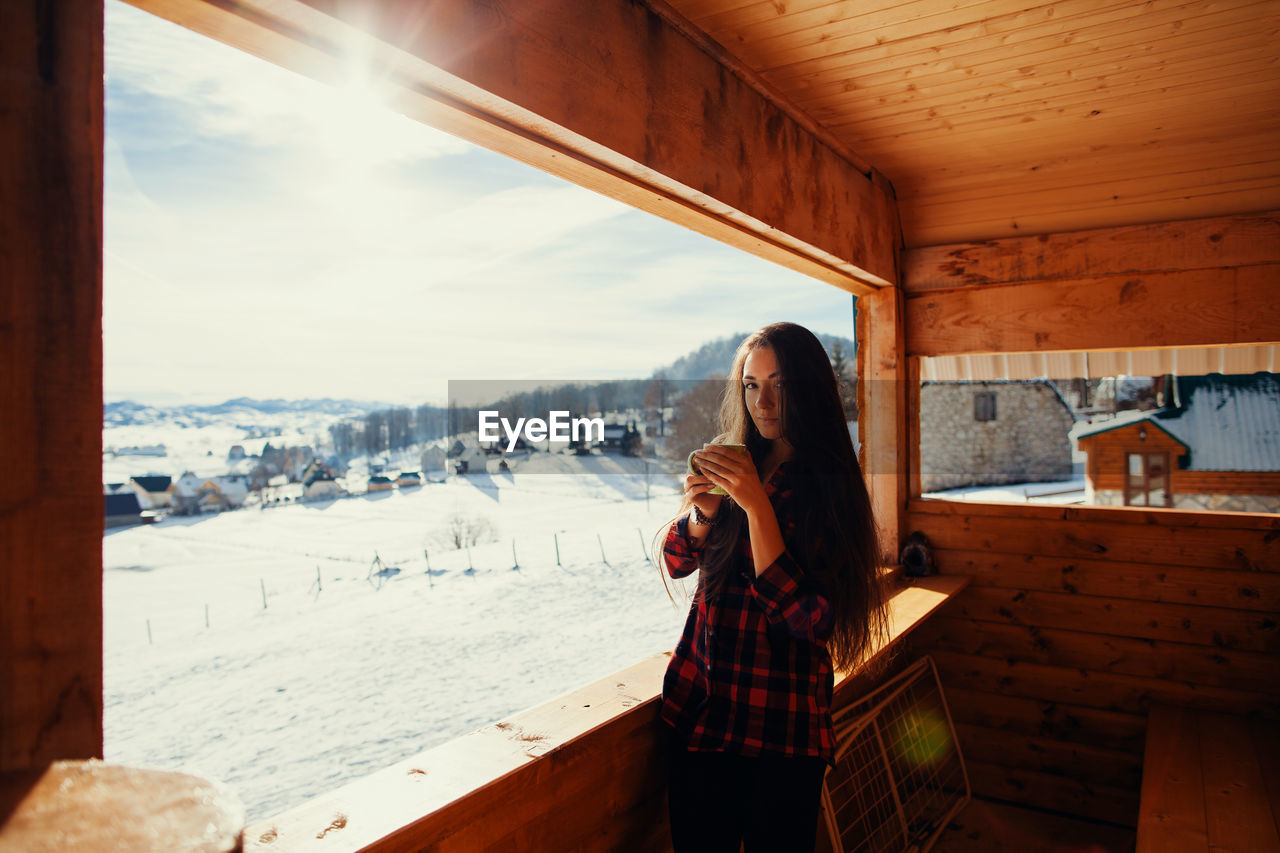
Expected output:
(788, 584)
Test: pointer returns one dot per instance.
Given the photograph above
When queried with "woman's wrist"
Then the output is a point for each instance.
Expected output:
(703, 518)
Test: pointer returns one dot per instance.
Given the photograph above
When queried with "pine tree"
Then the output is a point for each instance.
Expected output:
(848, 387)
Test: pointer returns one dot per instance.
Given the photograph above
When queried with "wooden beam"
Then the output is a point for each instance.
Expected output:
(610, 94)
(882, 413)
(1228, 241)
(1243, 542)
(51, 382)
(1204, 307)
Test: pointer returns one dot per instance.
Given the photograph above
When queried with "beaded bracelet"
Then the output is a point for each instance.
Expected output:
(700, 517)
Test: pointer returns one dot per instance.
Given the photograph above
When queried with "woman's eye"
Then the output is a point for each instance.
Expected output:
(750, 386)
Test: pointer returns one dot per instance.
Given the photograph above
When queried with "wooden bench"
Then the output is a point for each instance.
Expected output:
(1210, 781)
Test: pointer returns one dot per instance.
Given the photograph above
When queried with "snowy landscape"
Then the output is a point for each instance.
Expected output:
(290, 646)
(266, 648)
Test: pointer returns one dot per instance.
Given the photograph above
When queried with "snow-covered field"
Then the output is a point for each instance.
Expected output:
(331, 681)
(1061, 492)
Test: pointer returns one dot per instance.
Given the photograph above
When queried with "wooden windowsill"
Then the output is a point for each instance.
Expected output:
(445, 790)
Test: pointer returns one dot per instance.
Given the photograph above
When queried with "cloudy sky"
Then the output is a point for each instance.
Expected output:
(269, 236)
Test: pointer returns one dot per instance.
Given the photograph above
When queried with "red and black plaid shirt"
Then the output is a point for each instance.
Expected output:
(751, 673)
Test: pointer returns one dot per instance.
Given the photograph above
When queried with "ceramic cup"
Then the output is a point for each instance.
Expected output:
(693, 466)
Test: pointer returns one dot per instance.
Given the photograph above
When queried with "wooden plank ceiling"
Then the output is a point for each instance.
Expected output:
(994, 118)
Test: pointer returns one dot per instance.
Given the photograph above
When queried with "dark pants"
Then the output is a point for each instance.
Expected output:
(719, 801)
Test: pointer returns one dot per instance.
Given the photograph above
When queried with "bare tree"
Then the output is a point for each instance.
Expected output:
(656, 396)
(695, 418)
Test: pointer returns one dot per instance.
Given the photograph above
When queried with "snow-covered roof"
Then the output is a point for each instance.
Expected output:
(122, 504)
(153, 482)
(232, 484)
(1228, 423)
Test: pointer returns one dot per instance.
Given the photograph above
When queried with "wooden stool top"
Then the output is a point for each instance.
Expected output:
(90, 805)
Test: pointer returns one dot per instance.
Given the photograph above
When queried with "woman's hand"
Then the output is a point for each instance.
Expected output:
(735, 473)
(699, 487)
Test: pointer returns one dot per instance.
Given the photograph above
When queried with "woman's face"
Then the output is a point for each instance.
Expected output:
(762, 391)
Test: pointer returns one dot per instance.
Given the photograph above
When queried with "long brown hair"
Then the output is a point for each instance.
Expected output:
(835, 538)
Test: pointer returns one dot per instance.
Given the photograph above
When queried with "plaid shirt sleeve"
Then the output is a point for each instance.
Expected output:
(780, 591)
(679, 552)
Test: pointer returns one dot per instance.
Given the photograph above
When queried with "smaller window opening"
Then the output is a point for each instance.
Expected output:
(984, 405)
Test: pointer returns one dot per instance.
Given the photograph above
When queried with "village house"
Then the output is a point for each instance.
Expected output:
(194, 494)
(433, 459)
(121, 509)
(473, 460)
(154, 491)
(319, 482)
(379, 483)
(1216, 446)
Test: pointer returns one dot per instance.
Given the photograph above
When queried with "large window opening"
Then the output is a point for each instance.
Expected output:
(339, 573)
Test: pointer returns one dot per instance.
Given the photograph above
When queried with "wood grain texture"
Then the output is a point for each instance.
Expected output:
(1241, 590)
(1060, 721)
(995, 119)
(882, 412)
(89, 805)
(1103, 652)
(1094, 765)
(51, 382)
(1205, 307)
(1197, 523)
(987, 826)
(1172, 804)
(1237, 809)
(1205, 783)
(646, 115)
(1126, 694)
(1215, 627)
(1236, 541)
(1067, 795)
(1217, 243)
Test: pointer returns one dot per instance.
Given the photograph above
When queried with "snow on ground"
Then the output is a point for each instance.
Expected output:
(1063, 492)
(330, 683)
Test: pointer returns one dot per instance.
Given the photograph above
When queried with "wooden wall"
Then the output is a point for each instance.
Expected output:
(1077, 619)
(1206, 282)
(50, 381)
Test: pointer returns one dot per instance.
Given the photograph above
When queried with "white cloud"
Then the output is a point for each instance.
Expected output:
(266, 236)
(232, 95)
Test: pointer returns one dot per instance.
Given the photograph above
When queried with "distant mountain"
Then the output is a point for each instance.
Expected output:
(242, 409)
(714, 358)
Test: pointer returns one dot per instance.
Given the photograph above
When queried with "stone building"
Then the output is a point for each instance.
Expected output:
(992, 433)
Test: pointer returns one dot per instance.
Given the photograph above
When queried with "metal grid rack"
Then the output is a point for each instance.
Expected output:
(899, 776)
